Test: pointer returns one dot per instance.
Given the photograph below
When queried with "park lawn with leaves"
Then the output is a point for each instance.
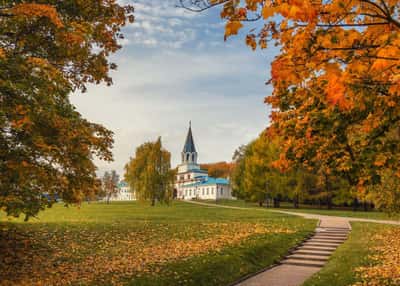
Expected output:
(369, 257)
(135, 244)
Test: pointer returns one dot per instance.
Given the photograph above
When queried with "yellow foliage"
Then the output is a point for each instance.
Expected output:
(385, 269)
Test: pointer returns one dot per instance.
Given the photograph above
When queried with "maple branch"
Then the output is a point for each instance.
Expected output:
(350, 25)
(375, 5)
(385, 6)
(385, 11)
(349, 48)
(371, 15)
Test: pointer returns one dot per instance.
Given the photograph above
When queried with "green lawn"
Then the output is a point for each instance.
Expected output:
(135, 244)
(341, 267)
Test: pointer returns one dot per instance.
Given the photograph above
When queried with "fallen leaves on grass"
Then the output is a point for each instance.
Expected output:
(66, 257)
(385, 267)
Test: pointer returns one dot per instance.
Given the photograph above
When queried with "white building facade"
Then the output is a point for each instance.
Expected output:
(124, 193)
(194, 183)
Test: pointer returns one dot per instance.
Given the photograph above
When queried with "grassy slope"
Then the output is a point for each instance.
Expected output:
(78, 234)
(339, 271)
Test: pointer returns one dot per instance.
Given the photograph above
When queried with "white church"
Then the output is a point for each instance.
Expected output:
(193, 182)
(124, 193)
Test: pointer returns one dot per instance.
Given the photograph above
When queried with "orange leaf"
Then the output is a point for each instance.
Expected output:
(232, 28)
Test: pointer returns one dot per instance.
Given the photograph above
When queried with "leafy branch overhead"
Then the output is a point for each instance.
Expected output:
(336, 81)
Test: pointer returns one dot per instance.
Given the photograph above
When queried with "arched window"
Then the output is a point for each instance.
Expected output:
(193, 157)
(187, 157)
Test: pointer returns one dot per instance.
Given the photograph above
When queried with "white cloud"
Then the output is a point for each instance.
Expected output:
(163, 23)
(175, 67)
(158, 94)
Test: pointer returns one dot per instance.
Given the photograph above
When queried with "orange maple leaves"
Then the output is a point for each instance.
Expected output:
(232, 28)
(38, 10)
(336, 92)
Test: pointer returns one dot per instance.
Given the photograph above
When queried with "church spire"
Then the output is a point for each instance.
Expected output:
(189, 154)
(189, 143)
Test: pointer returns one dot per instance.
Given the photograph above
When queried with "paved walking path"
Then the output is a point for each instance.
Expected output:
(305, 215)
(309, 257)
(349, 219)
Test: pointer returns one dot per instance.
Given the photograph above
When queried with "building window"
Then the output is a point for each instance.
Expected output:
(222, 191)
(212, 191)
(207, 191)
(202, 192)
(187, 157)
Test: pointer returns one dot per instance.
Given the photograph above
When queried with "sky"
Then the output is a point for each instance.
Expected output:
(175, 67)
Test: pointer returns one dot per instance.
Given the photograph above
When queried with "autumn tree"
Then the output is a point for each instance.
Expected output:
(47, 50)
(110, 184)
(254, 177)
(238, 160)
(219, 169)
(336, 82)
(149, 173)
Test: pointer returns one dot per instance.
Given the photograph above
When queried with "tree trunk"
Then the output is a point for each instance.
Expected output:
(276, 203)
(260, 204)
(153, 202)
(328, 190)
(296, 202)
(329, 202)
(355, 205)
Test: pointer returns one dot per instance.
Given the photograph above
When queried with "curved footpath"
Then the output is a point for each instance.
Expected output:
(310, 256)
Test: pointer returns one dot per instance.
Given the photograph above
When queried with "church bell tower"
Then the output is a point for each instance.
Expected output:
(189, 154)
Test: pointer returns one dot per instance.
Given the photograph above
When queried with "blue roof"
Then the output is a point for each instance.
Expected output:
(122, 184)
(209, 181)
